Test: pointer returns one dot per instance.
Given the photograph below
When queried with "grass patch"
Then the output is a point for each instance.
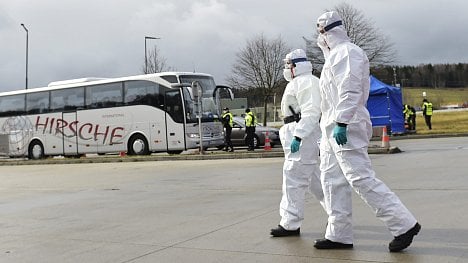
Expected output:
(438, 97)
(444, 122)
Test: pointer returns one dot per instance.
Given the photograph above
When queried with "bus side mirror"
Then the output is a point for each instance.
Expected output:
(218, 89)
(216, 95)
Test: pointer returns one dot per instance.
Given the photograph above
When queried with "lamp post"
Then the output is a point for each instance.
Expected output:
(27, 43)
(146, 59)
(394, 77)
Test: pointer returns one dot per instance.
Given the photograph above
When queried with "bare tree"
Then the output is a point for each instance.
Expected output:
(259, 65)
(155, 62)
(362, 32)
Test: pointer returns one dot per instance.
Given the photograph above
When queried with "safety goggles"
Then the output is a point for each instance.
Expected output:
(322, 29)
(289, 62)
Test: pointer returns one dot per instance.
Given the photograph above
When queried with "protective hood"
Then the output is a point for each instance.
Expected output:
(303, 67)
(334, 31)
(299, 58)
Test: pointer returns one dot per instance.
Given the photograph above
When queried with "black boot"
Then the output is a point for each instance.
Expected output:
(403, 241)
(328, 244)
(281, 232)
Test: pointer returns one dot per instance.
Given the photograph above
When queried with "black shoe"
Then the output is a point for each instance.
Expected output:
(232, 149)
(281, 232)
(403, 241)
(328, 244)
(226, 149)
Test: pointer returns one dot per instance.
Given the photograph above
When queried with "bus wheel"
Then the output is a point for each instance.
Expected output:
(137, 145)
(36, 150)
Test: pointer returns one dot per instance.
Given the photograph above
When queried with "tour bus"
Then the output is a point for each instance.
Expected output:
(139, 115)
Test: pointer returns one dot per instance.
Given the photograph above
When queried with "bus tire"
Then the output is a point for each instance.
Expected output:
(138, 145)
(36, 150)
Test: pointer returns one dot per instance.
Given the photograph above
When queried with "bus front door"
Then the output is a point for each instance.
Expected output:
(69, 136)
(175, 133)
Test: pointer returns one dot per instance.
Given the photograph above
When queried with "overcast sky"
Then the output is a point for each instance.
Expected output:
(105, 38)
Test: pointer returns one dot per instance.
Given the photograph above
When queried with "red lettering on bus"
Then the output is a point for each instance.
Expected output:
(115, 135)
(80, 134)
(40, 124)
(87, 131)
(60, 126)
(96, 133)
(51, 125)
(72, 126)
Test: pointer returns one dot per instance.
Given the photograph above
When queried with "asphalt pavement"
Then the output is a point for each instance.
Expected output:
(221, 210)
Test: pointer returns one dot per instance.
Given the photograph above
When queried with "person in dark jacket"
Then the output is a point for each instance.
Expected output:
(250, 129)
(427, 113)
(227, 120)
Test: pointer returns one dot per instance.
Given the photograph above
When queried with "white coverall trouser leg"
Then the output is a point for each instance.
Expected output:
(346, 169)
(301, 172)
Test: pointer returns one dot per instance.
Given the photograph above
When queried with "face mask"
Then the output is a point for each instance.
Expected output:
(321, 41)
(287, 74)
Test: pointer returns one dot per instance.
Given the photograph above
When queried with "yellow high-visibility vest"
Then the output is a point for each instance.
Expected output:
(407, 111)
(249, 119)
(230, 117)
(428, 107)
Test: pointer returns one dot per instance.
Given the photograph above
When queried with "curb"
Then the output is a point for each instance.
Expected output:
(117, 158)
(192, 156)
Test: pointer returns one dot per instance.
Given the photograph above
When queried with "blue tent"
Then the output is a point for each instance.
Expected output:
(385, 105)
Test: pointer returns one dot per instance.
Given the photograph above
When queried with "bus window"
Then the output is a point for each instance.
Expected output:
(37, 102)
(67, 99)
(174, 105)
(170, 78)
(190, 113)
(140, 92)
(12, 105)
(104, 96)
(208, 86)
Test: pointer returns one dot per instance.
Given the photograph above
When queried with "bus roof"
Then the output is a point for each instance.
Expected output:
(72, 81)
(93, 80)
(176, 73)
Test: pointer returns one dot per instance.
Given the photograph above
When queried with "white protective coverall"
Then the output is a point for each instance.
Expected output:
(301, 169)
(344, 86)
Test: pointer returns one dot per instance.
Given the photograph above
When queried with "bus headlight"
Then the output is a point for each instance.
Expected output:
(193, 135)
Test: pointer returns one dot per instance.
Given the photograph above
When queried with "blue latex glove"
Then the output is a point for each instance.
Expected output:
(339, 133)
(295, 144)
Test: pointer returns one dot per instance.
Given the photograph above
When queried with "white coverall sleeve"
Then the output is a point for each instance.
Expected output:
(347, 72)
(308, 99)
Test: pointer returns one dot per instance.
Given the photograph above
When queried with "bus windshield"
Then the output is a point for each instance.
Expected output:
(208, 86)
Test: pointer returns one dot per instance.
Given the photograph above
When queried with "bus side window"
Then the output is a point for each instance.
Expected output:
(141, 92)
(37, 102)
(67, 99)
(104, 95)
(12, 105)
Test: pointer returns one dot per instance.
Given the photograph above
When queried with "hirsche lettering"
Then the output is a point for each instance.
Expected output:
(85, 131)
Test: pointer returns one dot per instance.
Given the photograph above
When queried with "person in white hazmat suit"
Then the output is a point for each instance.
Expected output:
(346, 131)
(299, 136)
